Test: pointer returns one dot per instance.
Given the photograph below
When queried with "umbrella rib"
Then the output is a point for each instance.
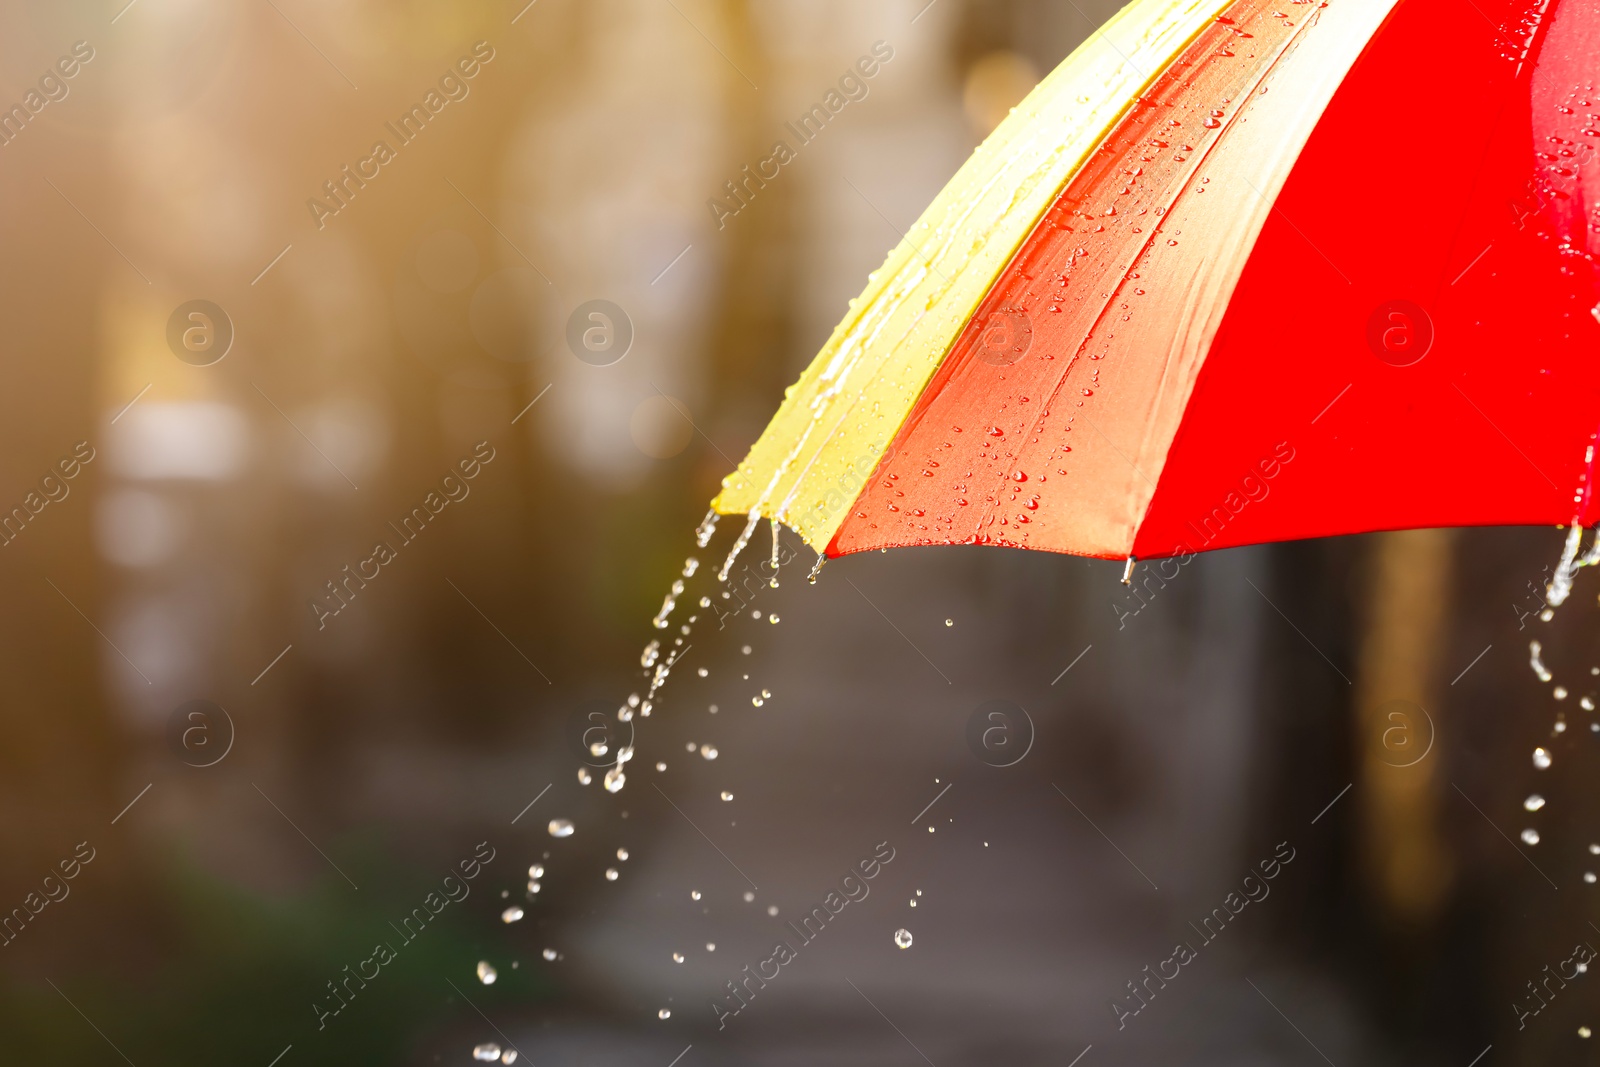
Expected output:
(901, 632)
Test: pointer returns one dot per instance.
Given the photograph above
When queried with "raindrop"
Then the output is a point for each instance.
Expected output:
(1588, 876)
(487, 1053)
(702, 672)
(773, 619)
(660, 766)
(664, 1013)
(949, 622)
(511, 914)
(486, 973)
(1534, 661)
(749, 897)
(536, 871)
(694, 894)
(711, 946)
(708, 751)
(560, 828)
(584, 777)
(1559, 692)
(1530, 836)
(611, 874)
(615, 779)
(622, 854)
(902, 937)
(726, 795)
(1541, 758)
(1584, 1031)
(677, 957)
(549, 954)
(772, 909)
(1534, 802)
(508, 1056)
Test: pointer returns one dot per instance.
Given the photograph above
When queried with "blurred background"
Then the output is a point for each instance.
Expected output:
(195, 503)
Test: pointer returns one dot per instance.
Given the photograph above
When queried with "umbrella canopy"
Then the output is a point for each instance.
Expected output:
(1234, 272)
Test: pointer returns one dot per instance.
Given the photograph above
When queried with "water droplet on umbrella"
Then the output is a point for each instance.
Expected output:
(486, 973)
(511, 914)
(560, 827)
(902, 937)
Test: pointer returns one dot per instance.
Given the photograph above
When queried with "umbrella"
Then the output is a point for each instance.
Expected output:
(1232, 273)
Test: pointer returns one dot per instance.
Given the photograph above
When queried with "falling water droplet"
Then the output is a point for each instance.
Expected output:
(549, 954)
(707, 527)
(560, 827)
(711, 946)
(584, 777)
(726, 795)
(772, 909)
(902, 937)
(749, 897)
(622, 854)
(1530, 836)
(486, 973)
(1541, 758)
(611, 874)
(536, 871)
(1534, 661)
(708, 751)
(694, 894)
(816, 568)
(1534, 802)
(677, 957)
(949, 622)
(487, 1053)
(738, 546)
(511, 914)
(615, 779)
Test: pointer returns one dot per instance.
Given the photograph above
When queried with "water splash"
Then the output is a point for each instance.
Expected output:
(1535, 652)
(739, 545)
(707, 527)
(774, 582)
(669, 602)
(816, 568)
